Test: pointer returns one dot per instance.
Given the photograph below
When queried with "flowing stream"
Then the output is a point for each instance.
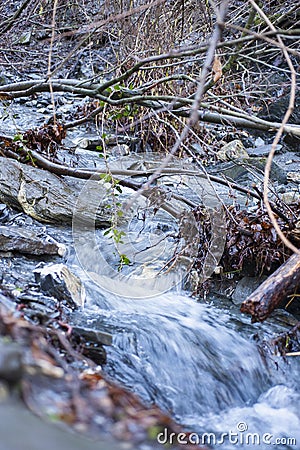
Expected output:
(201, 364)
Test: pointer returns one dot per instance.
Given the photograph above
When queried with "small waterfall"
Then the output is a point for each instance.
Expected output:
(194, 361)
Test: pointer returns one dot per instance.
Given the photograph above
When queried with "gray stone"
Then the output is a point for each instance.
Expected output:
(25, 38)
(4, 213)
(259, 142)
(47, 197)
(294, 177)
(198, 149)
(290, 197)
(274, 112)
(262, 150)
(277, 172)
(3, 79)
(92, 142)
(93, 336)
(245, 287)
(120, 150)
(232, 150)
(251, 168)
(57, 280)
(21, 240)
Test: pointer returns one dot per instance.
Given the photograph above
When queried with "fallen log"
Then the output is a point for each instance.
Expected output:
(272, 292)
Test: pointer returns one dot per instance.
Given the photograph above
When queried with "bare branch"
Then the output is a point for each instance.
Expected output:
(179, 106)
(279, 132)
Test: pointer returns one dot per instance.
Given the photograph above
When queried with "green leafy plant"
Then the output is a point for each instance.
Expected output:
(114, 190)
(19, 138)
(21, 143)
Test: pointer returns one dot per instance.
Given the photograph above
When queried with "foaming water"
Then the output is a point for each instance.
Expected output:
(200, 364)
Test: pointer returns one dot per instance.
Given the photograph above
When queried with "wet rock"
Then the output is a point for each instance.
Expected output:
(245, 287)
(262, 150)
(25, 38)
(283, 318)
(4, 213)
(11, 368)
(57, 280)
(94, 142)
(198, 149)
(277, 172)
(92, 342)
(47, 197)
(294, 176)
(38, 306)
(18, 239)
(290, 197)
(276, 109)
(248, 169)
(232, 150)
(92, 336)
(120, 150)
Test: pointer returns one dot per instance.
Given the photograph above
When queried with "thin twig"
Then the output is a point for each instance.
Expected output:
(11, 20)
(279, 133)
(50, 59)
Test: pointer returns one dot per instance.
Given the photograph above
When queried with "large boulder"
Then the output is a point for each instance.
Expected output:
(47, 197)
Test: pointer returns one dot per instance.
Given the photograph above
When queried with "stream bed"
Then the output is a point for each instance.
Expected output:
(201, 363)
(205, 364)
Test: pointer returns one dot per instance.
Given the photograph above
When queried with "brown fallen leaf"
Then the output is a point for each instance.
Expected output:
(217, 69)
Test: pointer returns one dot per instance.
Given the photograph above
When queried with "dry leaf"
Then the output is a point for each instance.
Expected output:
(217, 69)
